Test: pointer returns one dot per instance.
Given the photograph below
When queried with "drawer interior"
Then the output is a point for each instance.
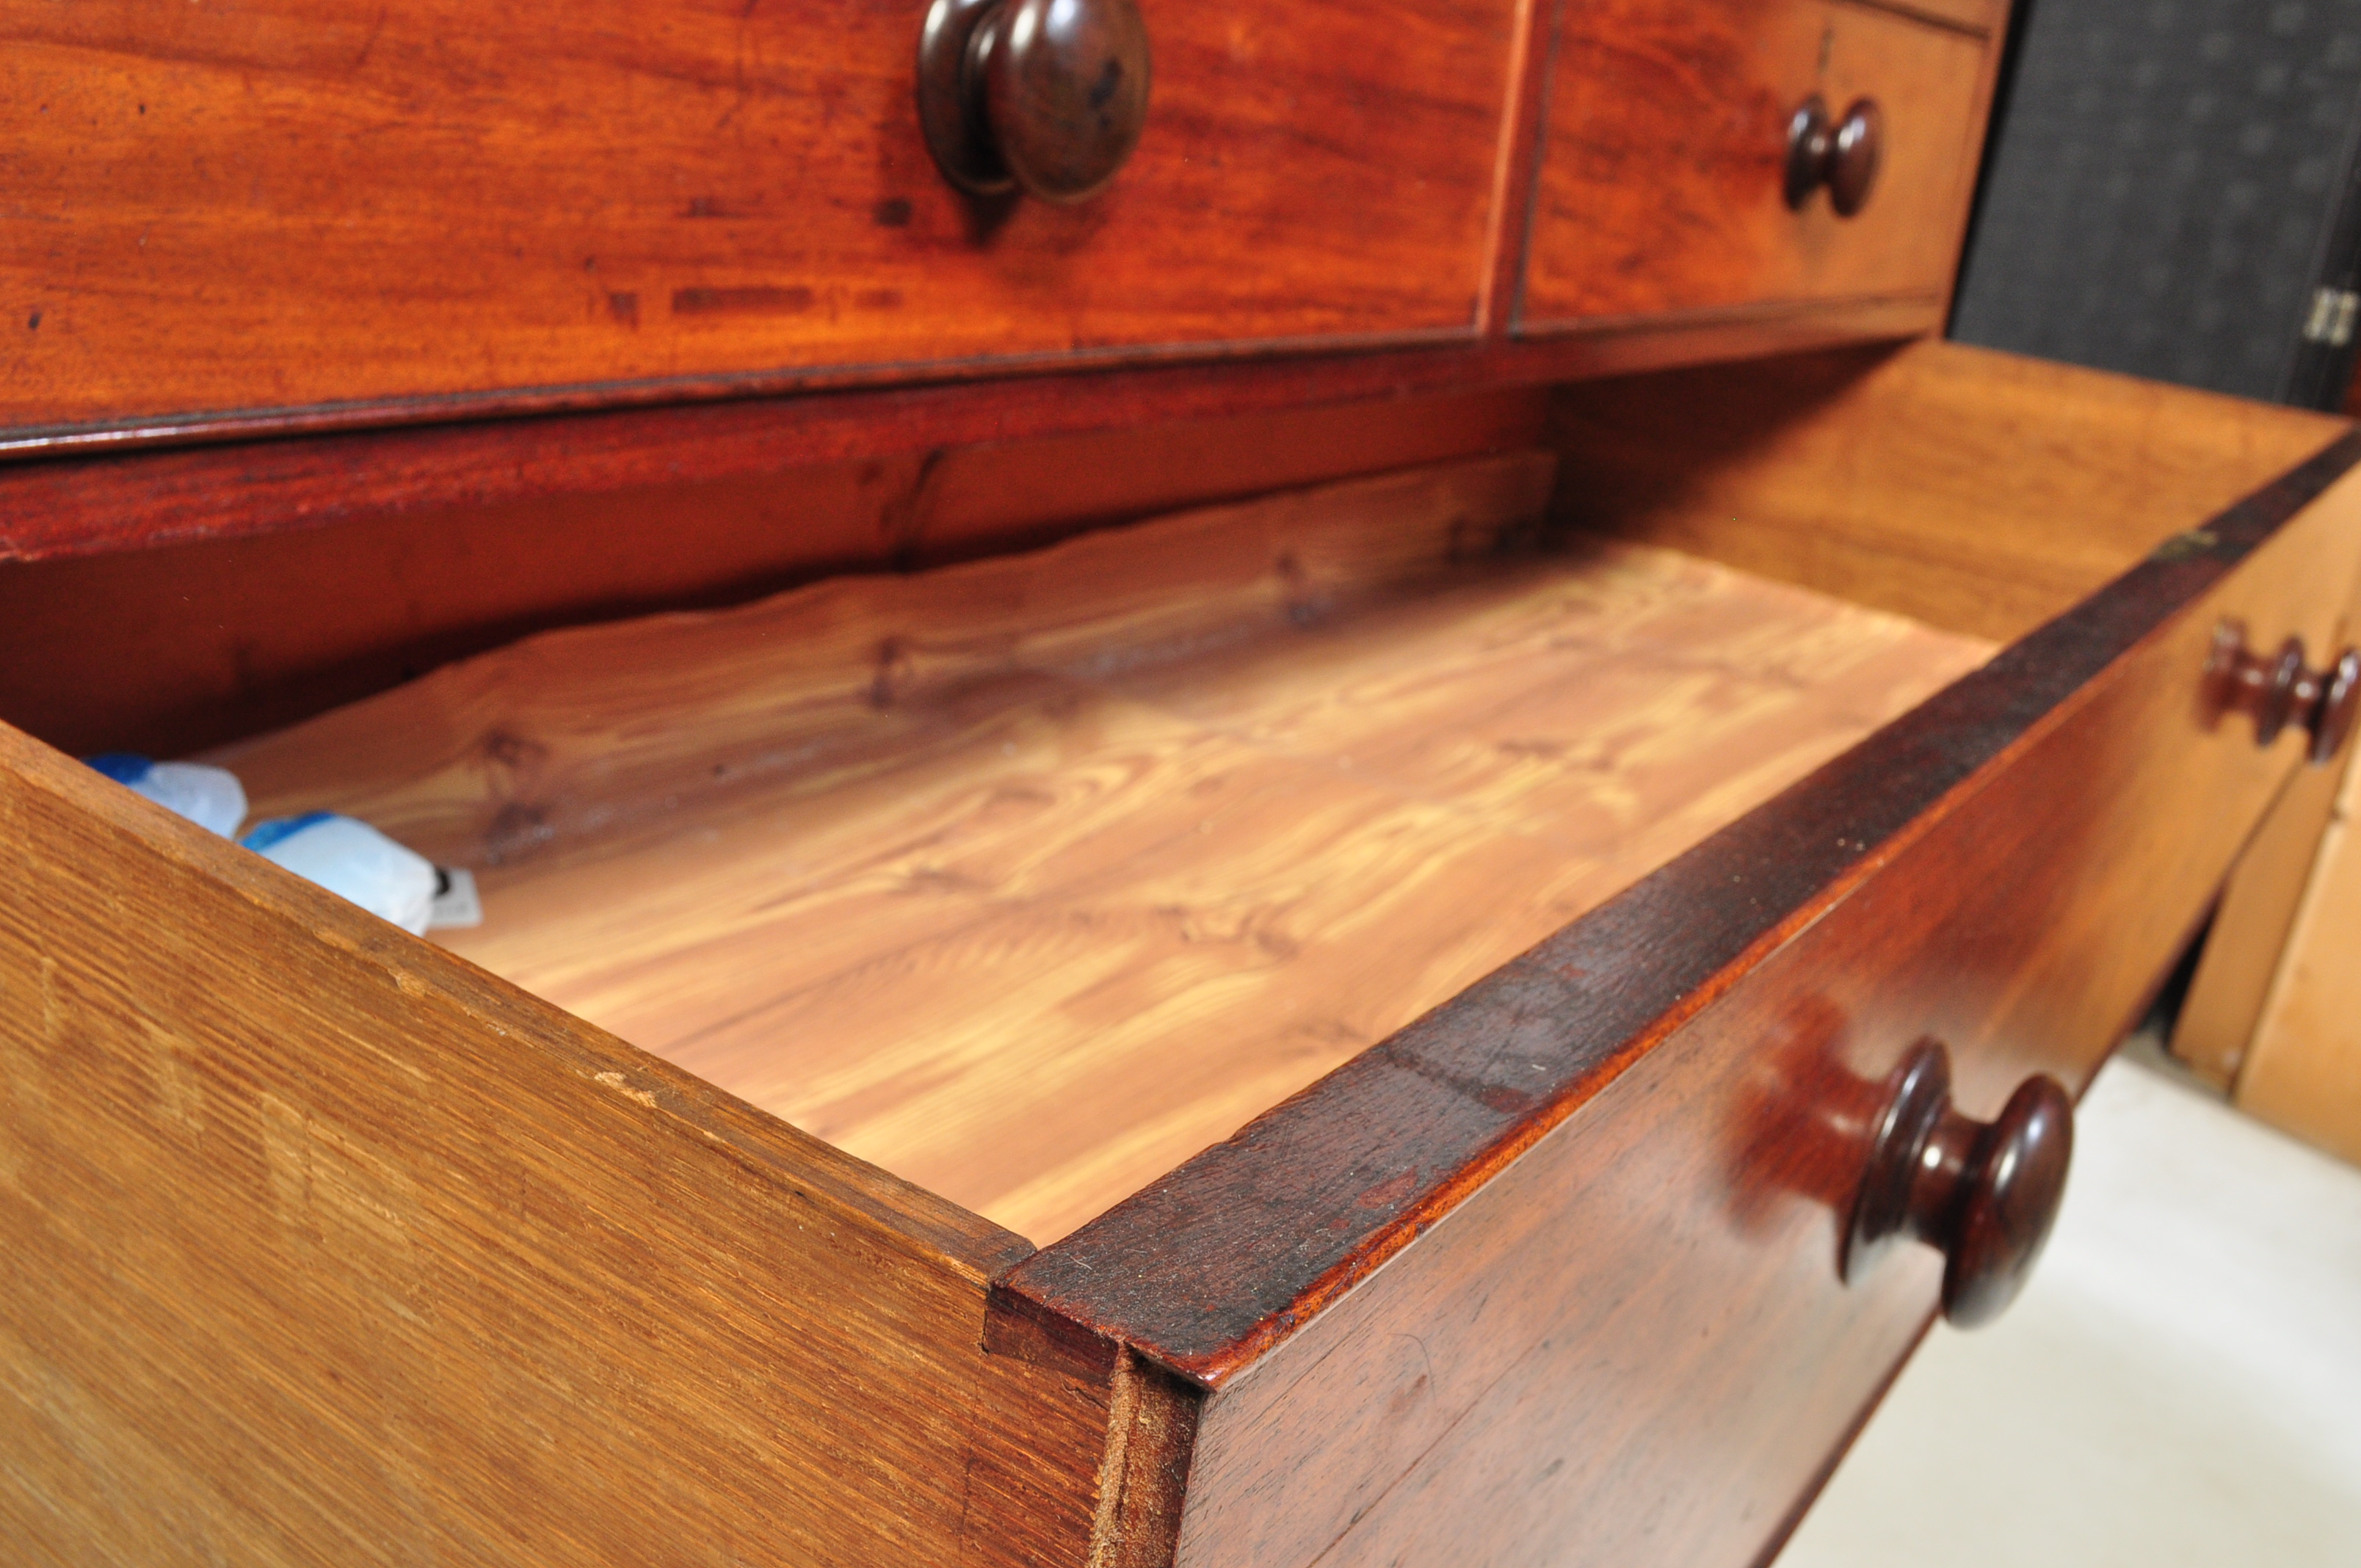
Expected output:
(1028, 878)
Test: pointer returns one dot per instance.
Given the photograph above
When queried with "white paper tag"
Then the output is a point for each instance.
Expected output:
(455, 902)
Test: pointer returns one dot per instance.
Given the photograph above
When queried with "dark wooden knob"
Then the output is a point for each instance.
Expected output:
(1839, 154)
(2283, 689)
(1984, 1194)
(1048, 95)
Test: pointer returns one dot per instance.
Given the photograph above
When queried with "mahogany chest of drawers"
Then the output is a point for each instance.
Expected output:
(1611, 764)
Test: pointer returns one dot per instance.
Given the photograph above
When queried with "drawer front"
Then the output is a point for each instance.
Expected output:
(1618, 1334)
(1662, 185)
(272, 206)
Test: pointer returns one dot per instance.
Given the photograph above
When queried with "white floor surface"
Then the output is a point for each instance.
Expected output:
(2180, 1383)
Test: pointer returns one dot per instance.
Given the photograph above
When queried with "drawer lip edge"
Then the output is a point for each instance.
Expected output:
(1212, 1267)
(152, 431)
(1901, 303)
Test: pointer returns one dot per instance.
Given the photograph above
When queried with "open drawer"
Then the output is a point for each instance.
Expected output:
(1420, 971)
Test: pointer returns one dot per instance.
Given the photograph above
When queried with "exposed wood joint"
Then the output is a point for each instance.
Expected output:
(1143, 1483)
(1151, 1432)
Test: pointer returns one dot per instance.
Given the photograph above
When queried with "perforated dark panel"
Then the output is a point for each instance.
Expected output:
(2163, 188)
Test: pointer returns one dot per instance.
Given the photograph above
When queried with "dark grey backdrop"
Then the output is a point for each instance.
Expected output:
(2164, 191)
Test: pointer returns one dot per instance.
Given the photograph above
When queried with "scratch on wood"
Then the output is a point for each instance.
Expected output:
(616, 1081)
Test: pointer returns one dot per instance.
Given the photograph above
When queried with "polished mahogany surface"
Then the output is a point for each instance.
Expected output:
(96, 492)
(292, 205)
(1665, 182)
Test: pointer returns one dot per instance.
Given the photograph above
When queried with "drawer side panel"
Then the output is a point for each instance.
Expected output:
(325, 1247)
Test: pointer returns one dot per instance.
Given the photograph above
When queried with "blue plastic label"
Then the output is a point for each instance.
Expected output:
(262, 835)
(122, 767)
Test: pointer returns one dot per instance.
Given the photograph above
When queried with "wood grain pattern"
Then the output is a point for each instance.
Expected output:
(291, 204)
(833, 667)
(165, 651)
(1662, 189)
(1972, 490)
(1603, 1183)
(2301, 1072)
(359, 1255)
(1029, 878)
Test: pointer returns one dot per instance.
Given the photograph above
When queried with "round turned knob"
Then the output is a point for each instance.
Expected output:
(1048, 95)
(1841, 154)
(1984, 1194)
(2283, 689)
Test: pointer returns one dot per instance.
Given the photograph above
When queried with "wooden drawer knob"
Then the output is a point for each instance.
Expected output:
(1842, 154)
(2283, 689)
(1984, 1193)
(1047, 94)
